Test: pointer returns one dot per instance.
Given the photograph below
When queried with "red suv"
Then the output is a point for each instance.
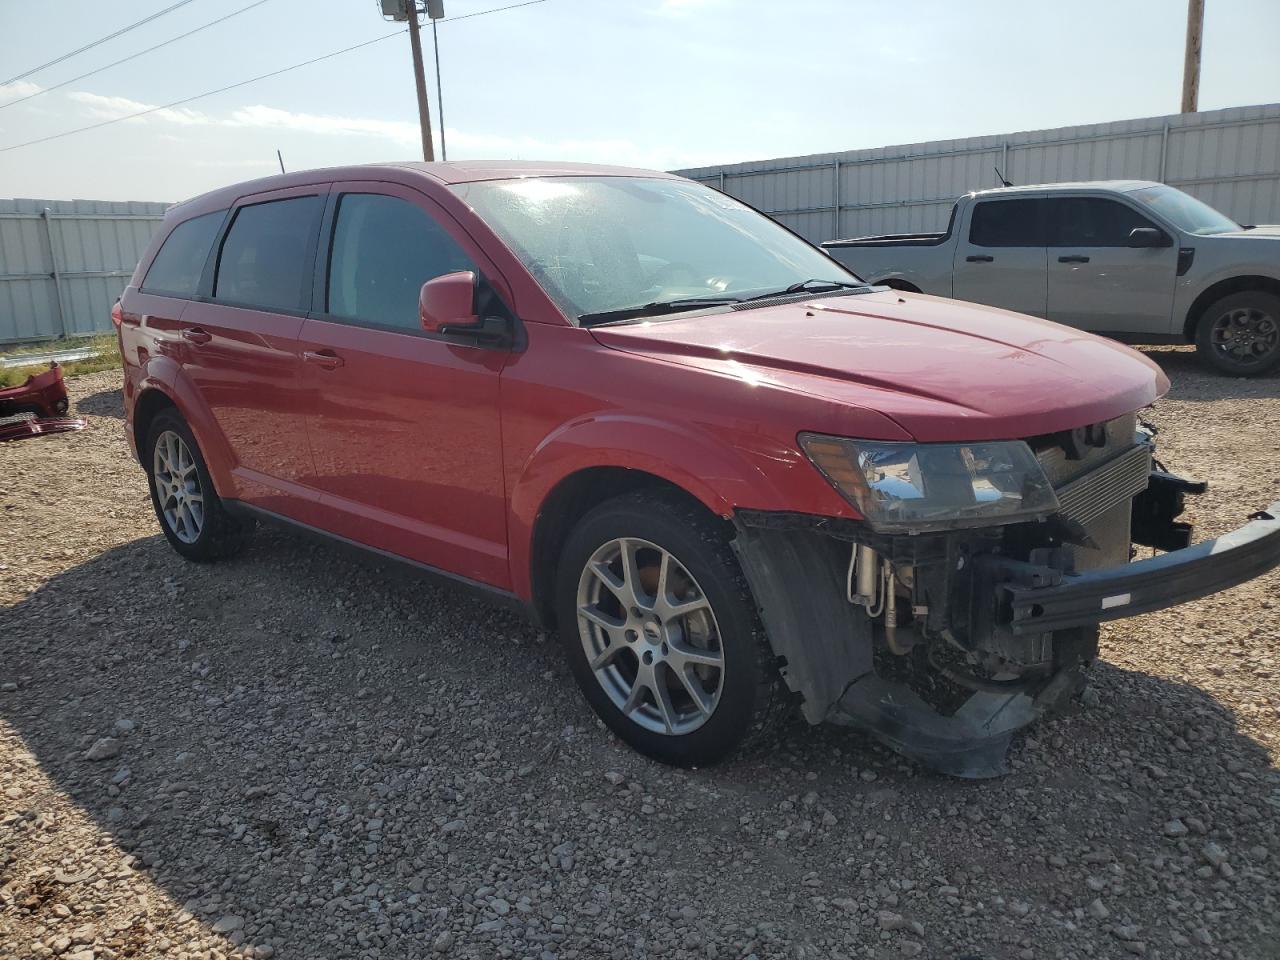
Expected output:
(732, 476)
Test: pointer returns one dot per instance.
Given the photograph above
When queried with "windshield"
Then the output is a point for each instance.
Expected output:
(1184, 211)
(615, 247)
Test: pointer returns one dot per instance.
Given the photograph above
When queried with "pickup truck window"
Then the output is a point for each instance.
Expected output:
(1184, 211)
(1006, 223)
(1091, 222)
(612, 245)
(384, 250)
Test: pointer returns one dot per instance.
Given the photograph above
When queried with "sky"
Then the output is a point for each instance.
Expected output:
(655, 83)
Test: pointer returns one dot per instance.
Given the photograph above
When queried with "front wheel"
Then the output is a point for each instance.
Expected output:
(1239, 335)
(661, 631)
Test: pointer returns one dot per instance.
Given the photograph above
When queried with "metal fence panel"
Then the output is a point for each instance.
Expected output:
(64, 262)
(1228, 158)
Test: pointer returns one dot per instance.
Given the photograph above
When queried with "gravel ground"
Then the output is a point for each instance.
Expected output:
(307, 753)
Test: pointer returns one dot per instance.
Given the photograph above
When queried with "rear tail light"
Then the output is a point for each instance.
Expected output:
(117, 315)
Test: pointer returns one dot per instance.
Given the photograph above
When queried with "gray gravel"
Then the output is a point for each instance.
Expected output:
(307, 753)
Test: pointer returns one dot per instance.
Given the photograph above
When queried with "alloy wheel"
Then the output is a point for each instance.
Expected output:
(1245, 335)
(178, 487)
(650, 636)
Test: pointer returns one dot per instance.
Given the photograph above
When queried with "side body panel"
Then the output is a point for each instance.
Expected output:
(570, 404)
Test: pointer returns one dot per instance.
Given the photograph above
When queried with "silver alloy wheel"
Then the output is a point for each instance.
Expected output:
(1245, 335)
(650, 636)
(178, 487)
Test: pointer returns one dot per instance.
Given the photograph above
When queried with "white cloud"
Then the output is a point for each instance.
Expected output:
(114, 108)
(403, 134)
(17, 89)
(264, 116)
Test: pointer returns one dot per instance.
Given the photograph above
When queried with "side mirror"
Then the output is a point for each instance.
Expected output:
(447, 306)
(448, 301)
(1148, 237)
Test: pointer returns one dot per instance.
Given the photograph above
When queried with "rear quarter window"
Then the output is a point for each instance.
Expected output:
(177, 268)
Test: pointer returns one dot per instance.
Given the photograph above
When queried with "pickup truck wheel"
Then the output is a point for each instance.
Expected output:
(661, 631)
(193, 518)
(1240, 334)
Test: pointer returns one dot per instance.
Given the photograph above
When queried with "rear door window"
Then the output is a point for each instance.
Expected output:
(176, 269)
(1007, 223)
(384, 249)
(1092, 222)
(265, 259)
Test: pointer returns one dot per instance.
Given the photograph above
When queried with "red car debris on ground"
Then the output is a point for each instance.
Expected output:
(35, 408)
(731, 474)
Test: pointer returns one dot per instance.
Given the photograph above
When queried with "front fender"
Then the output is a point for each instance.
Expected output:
(709, 469)
(165, 374)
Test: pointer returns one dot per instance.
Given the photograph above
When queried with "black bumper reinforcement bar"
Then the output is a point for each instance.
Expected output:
(1164, 581)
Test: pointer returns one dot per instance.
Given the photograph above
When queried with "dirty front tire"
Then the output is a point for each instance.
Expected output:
(656, 634)
(1239, 335)
(192, 517)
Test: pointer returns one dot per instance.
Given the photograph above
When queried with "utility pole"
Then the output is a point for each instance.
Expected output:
(435, 10)
(424, 106)
(1191, 65)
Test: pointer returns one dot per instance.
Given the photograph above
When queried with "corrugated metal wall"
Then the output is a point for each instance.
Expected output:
(64, 262)
(1228, 158)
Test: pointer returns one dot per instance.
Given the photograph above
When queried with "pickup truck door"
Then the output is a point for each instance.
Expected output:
(1000, 256)
(1097, 281)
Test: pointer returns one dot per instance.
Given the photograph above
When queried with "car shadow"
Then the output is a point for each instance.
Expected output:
(104, 403)
(358, 749)
(1193, 380)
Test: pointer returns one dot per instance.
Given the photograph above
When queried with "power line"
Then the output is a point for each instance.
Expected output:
(243, 83)
(140, 53)
(90, 46)
(200, 96)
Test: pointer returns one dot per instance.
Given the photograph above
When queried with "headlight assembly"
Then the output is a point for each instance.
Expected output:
(918, 487)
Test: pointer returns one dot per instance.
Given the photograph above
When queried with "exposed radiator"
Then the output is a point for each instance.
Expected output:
(1086, 498)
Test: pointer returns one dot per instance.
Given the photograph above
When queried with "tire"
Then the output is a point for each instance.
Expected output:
(651, 642)
(1239, 335)
(191, 515)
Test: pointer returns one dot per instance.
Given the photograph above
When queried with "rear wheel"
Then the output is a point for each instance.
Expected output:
(1240, 334)
(661, 632)
(192, 517)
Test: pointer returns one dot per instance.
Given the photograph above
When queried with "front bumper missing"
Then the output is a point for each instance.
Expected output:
(797, 568)
(1145, 585)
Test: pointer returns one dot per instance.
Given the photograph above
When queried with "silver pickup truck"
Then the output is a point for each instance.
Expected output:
(1135, 260)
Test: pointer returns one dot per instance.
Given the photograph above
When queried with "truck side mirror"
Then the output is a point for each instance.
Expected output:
(1148, 237)
(448, 301)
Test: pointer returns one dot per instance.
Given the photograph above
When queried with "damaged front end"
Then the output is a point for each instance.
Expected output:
(36, 407)
(943, 634)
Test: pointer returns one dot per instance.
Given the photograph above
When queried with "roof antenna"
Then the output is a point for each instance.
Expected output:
(281, 159)
(1000, 177)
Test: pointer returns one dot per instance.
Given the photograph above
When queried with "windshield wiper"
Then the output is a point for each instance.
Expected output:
(810, 286)
(655, 308)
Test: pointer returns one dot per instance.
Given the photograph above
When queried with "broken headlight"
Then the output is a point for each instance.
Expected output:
(916, 487)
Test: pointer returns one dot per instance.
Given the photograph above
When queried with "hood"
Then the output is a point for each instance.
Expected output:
(942, 369)
(1269, 231)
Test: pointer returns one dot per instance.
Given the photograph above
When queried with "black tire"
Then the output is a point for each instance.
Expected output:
(751, 698)
(220, 535)
(1251, 307)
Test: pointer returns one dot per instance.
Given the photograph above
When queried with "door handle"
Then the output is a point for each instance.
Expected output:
(196, 335)
(1074, 258)
(324, 359)
(979, 258)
